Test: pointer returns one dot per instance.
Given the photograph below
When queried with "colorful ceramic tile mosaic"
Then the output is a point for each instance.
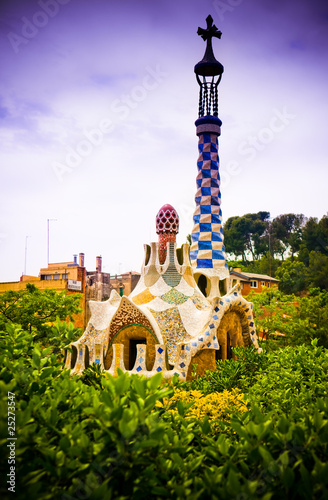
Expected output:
(172, 330)
(199, 300)
(126, 314)
(171, 276)
(185, 324)
(167, 310)
(160, 287)
(140, 363)
(174, 297)
(143, 297)
(207, 253)
(159, 364)
(158, 304)
(193, 319)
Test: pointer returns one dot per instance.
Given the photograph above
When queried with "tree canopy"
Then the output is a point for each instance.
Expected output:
(246, 235)
(291, 247)
(36, 310)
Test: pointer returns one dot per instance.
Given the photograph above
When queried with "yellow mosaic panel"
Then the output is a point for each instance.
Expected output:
(143, 298)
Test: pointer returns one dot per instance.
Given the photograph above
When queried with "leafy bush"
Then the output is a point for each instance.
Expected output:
(237, 373)
(36, 310)
(292, 320)
(291, 276)
(195, 405)
(294, 380)
(96, 436)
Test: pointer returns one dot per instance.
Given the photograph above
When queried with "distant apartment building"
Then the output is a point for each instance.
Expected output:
(99, 285)
(74, 278)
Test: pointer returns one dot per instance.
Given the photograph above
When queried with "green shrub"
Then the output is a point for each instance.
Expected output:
(294, 379)
(297, 320)
(96, 436)
(237, 373)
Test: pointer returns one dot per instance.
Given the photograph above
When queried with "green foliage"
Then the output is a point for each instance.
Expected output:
(37, 310)
(294, 379)
(258, 242)
(273, 313)
(93, 376)
(295, 276)
(317, 273)
(312, 317)
(246, 234)
(292, 320)
(286, 233)
(292, 276)
(97, 436)
(314, 238)
(59, 337)
(237, 373)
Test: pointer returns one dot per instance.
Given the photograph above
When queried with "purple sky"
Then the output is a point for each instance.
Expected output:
(72, 68)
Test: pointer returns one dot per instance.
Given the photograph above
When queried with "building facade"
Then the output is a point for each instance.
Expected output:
(251, 282)
(72, 277)
(183, 310)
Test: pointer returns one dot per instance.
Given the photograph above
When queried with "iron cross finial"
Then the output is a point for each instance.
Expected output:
(210, 31)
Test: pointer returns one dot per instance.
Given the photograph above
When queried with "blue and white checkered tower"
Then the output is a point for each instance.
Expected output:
(207, 253)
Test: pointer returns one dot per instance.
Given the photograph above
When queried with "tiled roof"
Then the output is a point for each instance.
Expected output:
(249, 276)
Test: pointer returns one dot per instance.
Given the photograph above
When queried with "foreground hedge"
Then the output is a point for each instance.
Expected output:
(98, 437)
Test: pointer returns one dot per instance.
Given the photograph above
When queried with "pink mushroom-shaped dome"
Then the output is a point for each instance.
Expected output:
(167, 220)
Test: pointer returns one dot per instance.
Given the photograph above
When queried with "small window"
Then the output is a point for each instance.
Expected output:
(64, 276)
(262, 283)
(269, 284)
(56, 276)
(254, 284)
(42, 277)
(48, 276)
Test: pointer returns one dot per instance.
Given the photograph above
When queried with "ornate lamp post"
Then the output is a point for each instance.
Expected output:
(210, 70)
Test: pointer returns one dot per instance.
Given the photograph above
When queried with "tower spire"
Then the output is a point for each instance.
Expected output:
(208, 72)
(207, 253)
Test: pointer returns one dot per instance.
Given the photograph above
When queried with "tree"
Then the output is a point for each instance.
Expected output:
(247, 234)
(292, 320)
(314, 238)
(37, 310)
(233, 238)
(292, 276)
(286, 231)
(317, 272)
(313, 318)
